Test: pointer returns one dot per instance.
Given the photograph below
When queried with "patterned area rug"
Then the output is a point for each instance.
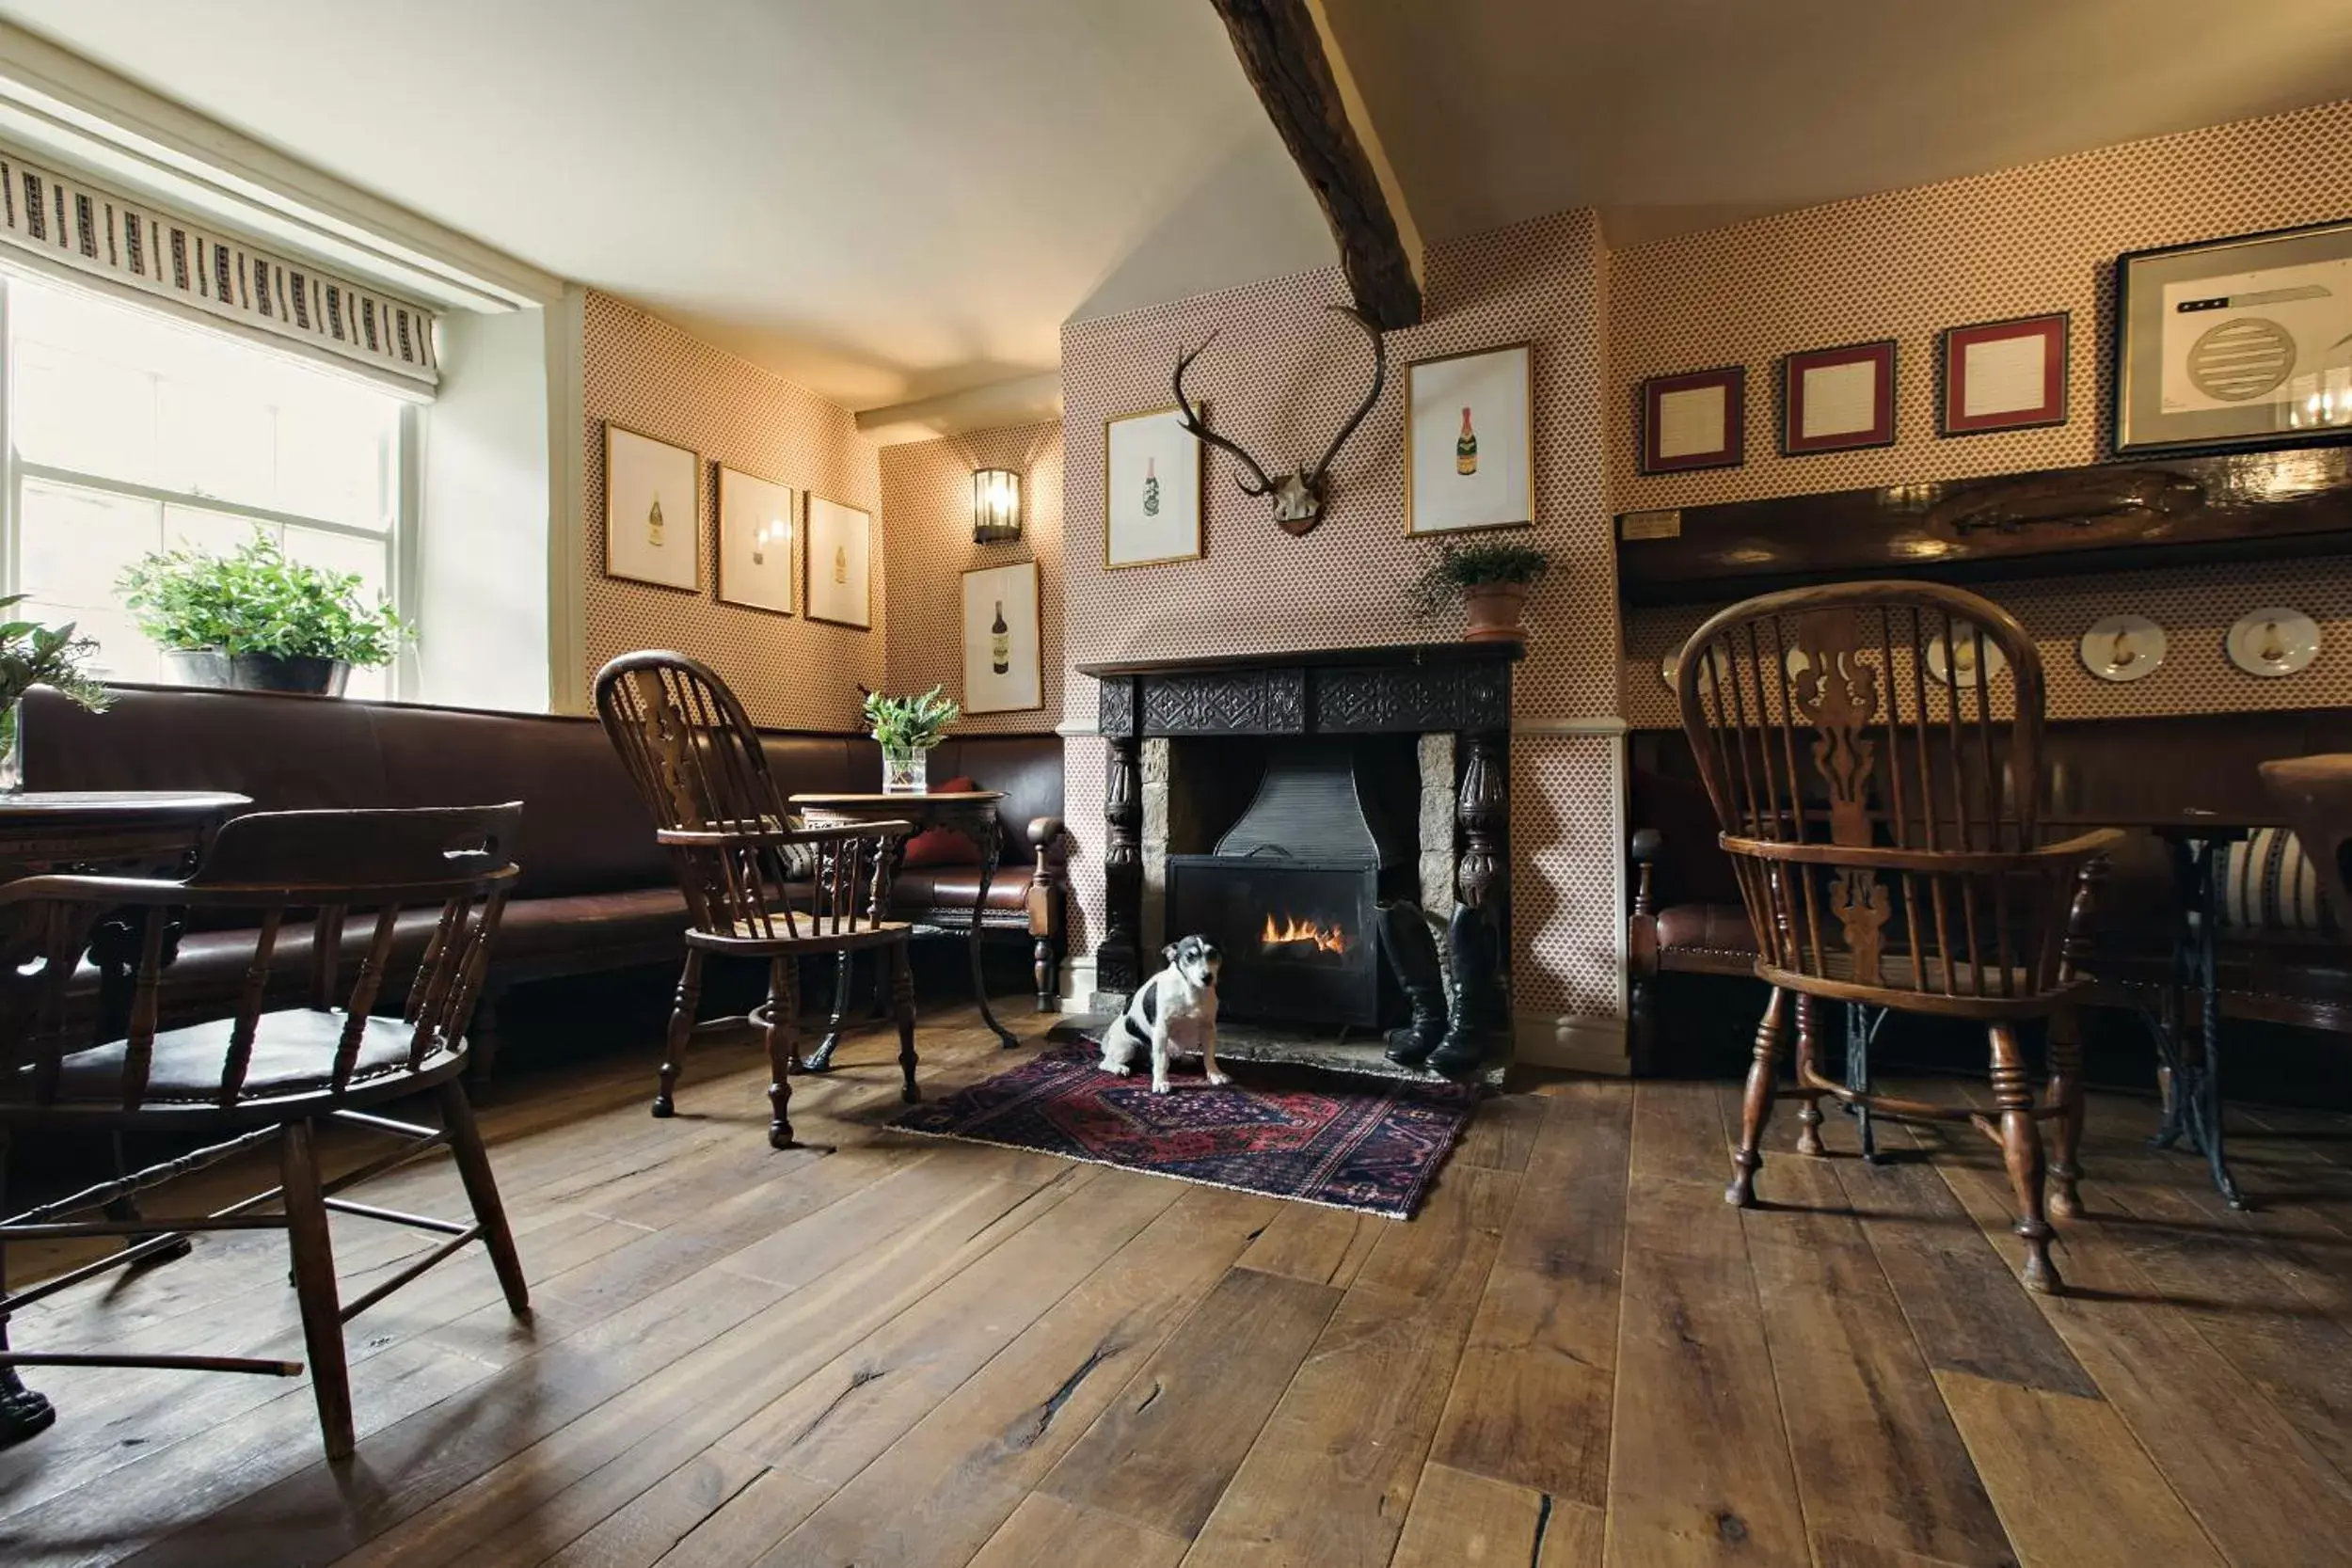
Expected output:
(1362, 1144)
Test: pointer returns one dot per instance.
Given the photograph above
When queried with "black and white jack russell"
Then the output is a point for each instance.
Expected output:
(1176, 1006)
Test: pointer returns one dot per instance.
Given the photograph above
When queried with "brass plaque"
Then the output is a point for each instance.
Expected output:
(1650, 525)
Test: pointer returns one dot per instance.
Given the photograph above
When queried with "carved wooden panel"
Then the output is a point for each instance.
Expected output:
(1249, 701)
(1115, 707)
(1413, 700)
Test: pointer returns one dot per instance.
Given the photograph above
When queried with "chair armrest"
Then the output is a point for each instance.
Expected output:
(1045, 836)
(1871, 856)
(1642, 848)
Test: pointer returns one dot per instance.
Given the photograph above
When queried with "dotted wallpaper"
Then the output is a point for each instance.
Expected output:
(642, 373)
(1281, 376)
(1905, 264)
(927, 497)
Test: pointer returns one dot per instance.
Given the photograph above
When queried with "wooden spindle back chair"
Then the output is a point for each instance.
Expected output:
(697, 761)
(389, 1026)
(1873, 752)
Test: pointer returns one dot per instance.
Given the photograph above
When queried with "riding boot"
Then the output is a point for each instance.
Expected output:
(1477, 1012)
(1412, 955)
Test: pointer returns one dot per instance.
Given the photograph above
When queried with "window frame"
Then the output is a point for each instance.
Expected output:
(401, 546)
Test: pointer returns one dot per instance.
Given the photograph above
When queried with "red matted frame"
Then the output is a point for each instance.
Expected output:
(1733, 379)
(1879, 355)
(1951, 366)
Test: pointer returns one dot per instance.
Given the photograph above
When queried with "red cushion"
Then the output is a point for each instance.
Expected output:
(943, 845)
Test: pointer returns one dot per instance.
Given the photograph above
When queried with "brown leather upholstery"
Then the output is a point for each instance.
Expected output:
(595, 892)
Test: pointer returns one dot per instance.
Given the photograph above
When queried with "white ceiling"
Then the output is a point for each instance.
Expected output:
(891, 201)
(1674, 115)
(883, 200)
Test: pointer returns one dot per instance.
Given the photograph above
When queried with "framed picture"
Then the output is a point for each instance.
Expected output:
(838, 565)
(1837, 399)
(1004, 662)
(652, 521)
(2237, 342)
(755, 542)
(2002, 375)
(1469, 437)
(1152, 471)
(1697, 419)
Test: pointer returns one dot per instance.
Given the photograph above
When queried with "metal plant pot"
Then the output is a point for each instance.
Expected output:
(317, 677)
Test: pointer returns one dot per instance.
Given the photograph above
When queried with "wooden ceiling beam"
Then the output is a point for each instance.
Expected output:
(1300, 77)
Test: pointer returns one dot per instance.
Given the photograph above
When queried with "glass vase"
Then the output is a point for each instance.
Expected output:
(906, 769)
(13, 747)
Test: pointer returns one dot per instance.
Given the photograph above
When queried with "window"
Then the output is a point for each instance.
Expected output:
(133, 433)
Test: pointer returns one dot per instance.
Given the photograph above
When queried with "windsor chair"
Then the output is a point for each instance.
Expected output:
(270, 1073)
(698, 762)
(1873, 754)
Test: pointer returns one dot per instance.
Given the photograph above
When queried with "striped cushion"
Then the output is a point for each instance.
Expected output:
(2270, 884)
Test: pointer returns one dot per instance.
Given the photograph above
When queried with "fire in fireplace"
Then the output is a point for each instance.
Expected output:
(1291, 893)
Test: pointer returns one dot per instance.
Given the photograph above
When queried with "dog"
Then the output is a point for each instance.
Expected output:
(1176, 1006)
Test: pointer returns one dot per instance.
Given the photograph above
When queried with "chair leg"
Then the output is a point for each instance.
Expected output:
(689, 995)
(2065, 1091)
(1045, 968)
(902, 1009)
(23, 1412)
(1808, 1059)
(1757, 1108)
(313, 1253)
(782, 1033)
(2021, 1151)
(481, 1191)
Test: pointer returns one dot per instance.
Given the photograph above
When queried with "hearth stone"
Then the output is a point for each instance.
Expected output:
(1255, 1042)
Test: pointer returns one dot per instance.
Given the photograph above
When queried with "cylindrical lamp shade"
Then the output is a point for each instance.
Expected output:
(995, 505)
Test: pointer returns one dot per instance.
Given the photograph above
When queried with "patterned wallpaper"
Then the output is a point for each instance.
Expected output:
(1907, 263)
(927, 502)
(1281, 376)
(641, 373)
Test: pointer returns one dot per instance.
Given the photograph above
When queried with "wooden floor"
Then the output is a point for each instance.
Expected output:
(904, 1351)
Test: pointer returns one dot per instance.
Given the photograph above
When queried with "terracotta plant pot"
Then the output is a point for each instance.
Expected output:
(1493, 610)
(319, 677)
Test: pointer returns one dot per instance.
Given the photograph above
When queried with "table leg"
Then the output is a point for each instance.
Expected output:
(2192, 1057)
(991, 836)
(820, 1059)
(23, 1412)
(1860, 1029)
(2204, 1090)
(2166, 1024)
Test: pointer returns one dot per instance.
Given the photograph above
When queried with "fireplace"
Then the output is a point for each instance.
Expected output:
(1289, 894)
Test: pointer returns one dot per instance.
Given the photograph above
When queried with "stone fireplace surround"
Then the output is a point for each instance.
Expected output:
(1455, 697)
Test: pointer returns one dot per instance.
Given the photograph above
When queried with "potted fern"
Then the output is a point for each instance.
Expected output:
(1490, 581)
(33, 655)
(254, 621)
(907, 729)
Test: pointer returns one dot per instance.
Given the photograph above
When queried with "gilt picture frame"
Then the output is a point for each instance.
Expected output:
(652, 511)
(1154, 471)
(837, 563)
(758, 559)
(1470, 441)
(1004, 644)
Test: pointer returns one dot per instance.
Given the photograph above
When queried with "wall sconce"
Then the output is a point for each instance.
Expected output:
(996, 506)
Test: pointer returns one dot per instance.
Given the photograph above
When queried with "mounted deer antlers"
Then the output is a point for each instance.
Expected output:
(1298, 497)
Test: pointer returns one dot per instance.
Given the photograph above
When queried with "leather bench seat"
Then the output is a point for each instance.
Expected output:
(595, 893)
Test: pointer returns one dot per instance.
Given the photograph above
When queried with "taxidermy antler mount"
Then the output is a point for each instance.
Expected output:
(1297, 496)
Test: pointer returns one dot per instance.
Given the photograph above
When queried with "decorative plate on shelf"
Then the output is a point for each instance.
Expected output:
(2124, 647)
(1939, 658)
(2273, 642)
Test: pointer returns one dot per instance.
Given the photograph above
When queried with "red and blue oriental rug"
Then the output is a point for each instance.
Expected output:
(1368, 1144)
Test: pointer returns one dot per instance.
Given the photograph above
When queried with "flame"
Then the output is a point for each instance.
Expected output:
(1327, 939)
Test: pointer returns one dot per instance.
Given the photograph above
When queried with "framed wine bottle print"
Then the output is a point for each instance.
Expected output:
(837, 565)
(652, 519)
(1004, 661)
(1152, 467)
(1469, 441)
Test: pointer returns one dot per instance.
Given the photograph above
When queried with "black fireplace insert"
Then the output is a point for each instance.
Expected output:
(1296, 935)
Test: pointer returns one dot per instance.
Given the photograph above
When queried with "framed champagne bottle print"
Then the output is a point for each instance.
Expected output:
(1003, 664)
(755, 542)
(1469, 441)
(652, 520)
(1152, 468)
(837, 564)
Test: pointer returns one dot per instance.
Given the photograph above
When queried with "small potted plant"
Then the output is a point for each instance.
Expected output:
(907, 729)
(1491, 581)
(254, 621)
(33, 655)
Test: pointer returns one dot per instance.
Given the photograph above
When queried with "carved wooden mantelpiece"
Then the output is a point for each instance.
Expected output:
(1461, 688)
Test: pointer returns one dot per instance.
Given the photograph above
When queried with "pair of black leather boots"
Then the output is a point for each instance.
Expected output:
(1447, 1035)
